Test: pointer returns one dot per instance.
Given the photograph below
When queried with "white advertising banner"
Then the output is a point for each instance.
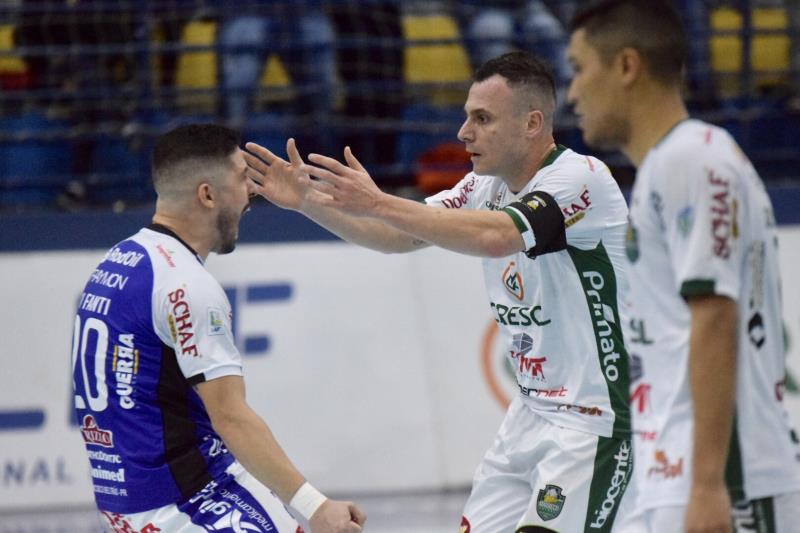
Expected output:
(375, 372)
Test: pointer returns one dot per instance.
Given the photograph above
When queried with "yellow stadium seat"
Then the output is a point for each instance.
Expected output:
(769, 52)
(9, 64)
(275, 78)
(445, 62)
(198, 69)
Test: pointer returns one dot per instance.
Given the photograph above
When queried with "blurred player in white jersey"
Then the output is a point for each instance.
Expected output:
(550, 224)
(716, 453)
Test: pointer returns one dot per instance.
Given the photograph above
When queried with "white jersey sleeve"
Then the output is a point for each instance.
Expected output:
(463, 195)
(696, 203)
(193, 317)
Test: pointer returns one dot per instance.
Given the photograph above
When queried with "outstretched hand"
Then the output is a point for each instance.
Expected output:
(284, 183)
(349, 187)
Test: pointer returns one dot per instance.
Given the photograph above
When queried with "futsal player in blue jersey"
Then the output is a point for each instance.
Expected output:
(159, 393)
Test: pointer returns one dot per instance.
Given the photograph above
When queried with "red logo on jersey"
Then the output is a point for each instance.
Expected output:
(578, 206)
(181, 323)
(665, 469)
(460, 200)
(512, 281)
(120, 524)
(166, 255)
(723, 215)
(92, 434)
(640, 398)
(465, 527)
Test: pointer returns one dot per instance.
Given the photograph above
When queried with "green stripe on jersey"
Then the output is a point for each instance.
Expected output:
(698, 287)
(522, 227)
(734, 468)
(599, 281)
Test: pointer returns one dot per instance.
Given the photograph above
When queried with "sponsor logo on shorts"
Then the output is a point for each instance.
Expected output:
(92, 434)
(619, 480)
(550, 502)
(120, 524)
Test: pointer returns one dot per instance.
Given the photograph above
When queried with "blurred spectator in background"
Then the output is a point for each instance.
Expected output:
(495, 27)
(370, 60)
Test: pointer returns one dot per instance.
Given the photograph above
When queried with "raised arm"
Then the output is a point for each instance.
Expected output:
(285, 184)
(349, 189)
(250, 440)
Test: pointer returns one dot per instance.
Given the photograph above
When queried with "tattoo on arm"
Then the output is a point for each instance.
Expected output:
(416, 243)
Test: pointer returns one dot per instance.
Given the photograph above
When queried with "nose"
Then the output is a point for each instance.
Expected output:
(251, 188)
(465, 132)
(572, 97)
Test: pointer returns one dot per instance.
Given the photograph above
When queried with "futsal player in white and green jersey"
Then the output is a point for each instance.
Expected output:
(714, 448)
(550, 224)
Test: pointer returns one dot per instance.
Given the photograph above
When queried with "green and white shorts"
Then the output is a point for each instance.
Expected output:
(539, 477)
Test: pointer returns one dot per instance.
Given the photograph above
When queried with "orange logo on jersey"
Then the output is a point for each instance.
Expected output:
(665, 469)
(512, 281)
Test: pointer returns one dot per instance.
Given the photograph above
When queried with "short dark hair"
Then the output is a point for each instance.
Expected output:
(653, 28)
(203, 142)
(520, 69)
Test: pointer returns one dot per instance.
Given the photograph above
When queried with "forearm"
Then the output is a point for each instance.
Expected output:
(712, 375)
(250, 440)
(472, 232)
(366, 232)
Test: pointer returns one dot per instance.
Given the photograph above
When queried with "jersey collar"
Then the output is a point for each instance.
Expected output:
(160, 228)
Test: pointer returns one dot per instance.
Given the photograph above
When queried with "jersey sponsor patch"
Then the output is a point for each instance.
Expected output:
(550, 502)
(540, 222)
(216, 321)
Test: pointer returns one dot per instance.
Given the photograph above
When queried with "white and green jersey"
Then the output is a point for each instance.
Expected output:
(557, 303)
(701, 224)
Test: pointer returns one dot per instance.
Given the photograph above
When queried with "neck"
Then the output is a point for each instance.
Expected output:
(532, 163)
(654, 114)
(187, 228)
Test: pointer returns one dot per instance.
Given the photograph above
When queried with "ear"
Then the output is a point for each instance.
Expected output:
(206, 195)
(630, 65)
(535, 122)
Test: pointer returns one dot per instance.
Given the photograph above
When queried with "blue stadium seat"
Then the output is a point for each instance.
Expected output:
(425, 126)
(32, 172)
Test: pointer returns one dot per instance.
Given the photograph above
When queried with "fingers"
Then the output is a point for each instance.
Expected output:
(357, 515)
(352, 161)
(328, 163)
(264, 153)
(294, 154)
(255, 164)
(322, 174)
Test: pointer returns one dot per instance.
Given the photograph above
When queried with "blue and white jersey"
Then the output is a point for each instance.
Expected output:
(151, 324)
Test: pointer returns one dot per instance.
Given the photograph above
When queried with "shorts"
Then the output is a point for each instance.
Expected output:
(774, 514)
(539, 477)
(238, 505)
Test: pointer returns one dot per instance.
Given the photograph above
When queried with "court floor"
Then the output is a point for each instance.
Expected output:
(438, 512)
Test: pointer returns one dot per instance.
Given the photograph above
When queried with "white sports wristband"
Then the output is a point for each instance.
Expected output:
(307, 500)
